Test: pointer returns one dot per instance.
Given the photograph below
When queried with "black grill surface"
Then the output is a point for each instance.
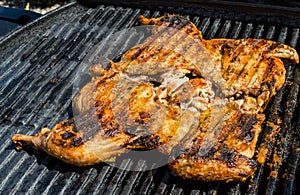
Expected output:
(38, 67)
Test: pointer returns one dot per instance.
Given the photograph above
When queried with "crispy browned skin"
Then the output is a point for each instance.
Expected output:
(165, 93)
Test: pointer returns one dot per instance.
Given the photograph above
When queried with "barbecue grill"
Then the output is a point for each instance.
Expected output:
(40, 61)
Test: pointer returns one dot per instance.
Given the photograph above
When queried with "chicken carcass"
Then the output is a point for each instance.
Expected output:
(198, 101)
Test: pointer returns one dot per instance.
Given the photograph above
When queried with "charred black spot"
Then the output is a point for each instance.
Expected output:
(155, 83)
(146, 142)
(77, 141)
(143, 117)
(191, 76)
(246, 123)
(116, 59)
(68, 135)
(229, 156)
(100, 114)
(111, 129)
(139, 121)
(142, 141)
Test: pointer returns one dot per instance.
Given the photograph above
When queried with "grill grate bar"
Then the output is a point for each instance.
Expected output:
(32, 168)
(115, 184)
(291, 171)
(102, 180)
(281, 151)
(176, 191)
(34, 186)
(271, 32)
(196, 20)
(9, 64)
(225, 29)
(22, 158)
(148, 184)
(12, 172)
(80, 187)
(236, 30)
(204, 25)
(236, 190)
(259, 32)
(195, 192)
(98, 14)
(269, 136)
(134, 178)
(293, 165)
(162, 189)
(295, 37)
(214, 28)
(248, 30)
(283, 35)
(39, 94)
(54, 179)
(23, 73)
(69, 181)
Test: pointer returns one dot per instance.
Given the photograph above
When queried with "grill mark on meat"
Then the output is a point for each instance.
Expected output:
(244, 59)
(169, 45)
(144, 142)
(229, 126)
(111, 129)
(245, 126)
(161, 47)
(260, 67)
(165, 31)
(248, 67)
(138, 50)
(230, 54)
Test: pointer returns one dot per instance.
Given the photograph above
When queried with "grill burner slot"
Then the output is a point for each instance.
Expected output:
(40, 63)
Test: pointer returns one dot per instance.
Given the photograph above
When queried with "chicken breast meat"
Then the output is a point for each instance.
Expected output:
(198, 101)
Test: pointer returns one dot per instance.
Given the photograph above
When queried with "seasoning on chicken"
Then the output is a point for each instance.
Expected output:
(198, 101)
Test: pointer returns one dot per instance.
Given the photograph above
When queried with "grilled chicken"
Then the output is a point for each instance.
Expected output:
(198, 101)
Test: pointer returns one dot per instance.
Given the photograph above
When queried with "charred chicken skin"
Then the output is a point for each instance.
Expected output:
(198, 101)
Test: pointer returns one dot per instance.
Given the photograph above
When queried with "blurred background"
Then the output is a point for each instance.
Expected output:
(39, 6)
(16, 13)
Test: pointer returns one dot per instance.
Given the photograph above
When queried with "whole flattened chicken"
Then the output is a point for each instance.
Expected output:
(198, 101)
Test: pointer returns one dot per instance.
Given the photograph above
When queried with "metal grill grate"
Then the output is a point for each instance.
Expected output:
(39, 65)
